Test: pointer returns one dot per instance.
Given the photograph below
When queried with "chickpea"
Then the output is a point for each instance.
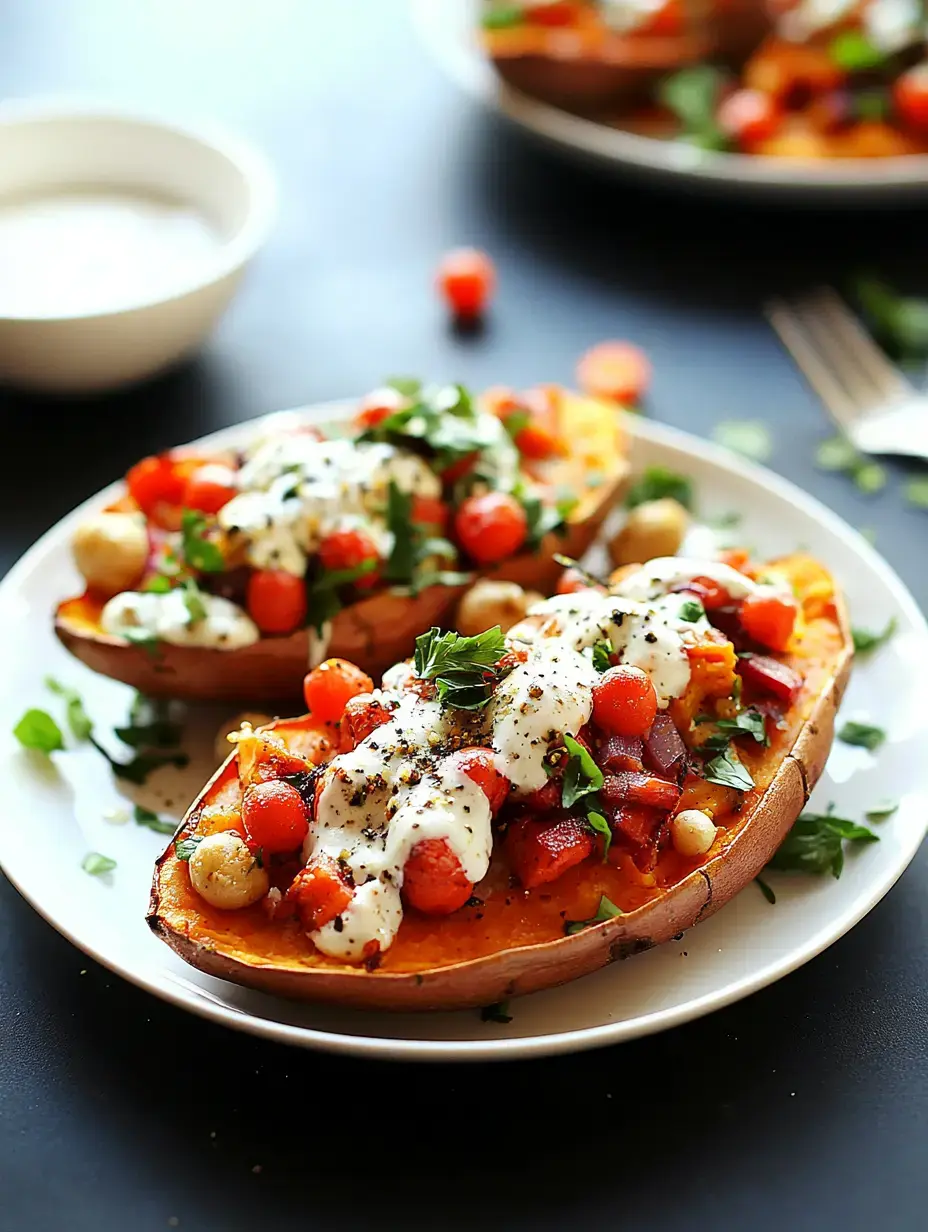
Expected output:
(654, 528)
(490, 603)
(223, 745)
(693, 832)
(111, 550)
(225, 873)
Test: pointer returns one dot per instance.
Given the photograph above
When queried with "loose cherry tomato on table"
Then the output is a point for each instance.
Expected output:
(433, 880)
(480, 766)
(329, 687)
(467, 280)
(347, 549)
(274, 816)
(379, 405)
(749, 117)
(769, 619)
(276, 600)
(624, 701)
(491, 527)
(618, 371)
(910, 94)
(209, 488)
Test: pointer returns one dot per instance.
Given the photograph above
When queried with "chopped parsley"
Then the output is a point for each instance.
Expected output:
(692, 610)
(502, 17)
(151, 821)
(144, 638)
(854, 52)
(150, 725)
(882, 810)
(193, 602)
(865, 642)
(748, 722)
(78, 719)
(900, 322)
(402, 559)
(463, 668)
(185, 848)
(862, 735)
(545, 519)
(582, 777)
(407, 386)
(602, 827)
(199, 552)
(692, 94)
(656, 483)
(916, 493)
(748, 437)
(607, 910)
(815, 844)
(439, 421)
(836, 453)
(497, 1012)
(766, 890)
(602, 655)
(727, 770)
(38, 730)
(97, 865)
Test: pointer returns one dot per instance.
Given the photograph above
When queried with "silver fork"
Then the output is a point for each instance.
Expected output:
(867, 396)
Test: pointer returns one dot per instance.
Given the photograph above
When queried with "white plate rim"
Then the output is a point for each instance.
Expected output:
(548, 1044)
(441, 27)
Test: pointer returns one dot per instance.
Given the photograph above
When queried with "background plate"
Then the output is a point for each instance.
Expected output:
(447, 28)
(54, 814)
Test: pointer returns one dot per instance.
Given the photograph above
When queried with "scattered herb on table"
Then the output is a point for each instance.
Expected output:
(836, 453)
(900, 322)
(862, 735)
(96, 864)
(815, 844)
(607, 910)
(38, 730)
(916, 493)
(882, 810)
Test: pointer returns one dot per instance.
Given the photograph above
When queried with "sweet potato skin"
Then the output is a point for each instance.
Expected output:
(698, 893)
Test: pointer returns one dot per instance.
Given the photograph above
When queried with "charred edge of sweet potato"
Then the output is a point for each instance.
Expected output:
(515, 972)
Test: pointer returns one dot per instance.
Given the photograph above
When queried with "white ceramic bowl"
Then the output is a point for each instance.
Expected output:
(49, 148)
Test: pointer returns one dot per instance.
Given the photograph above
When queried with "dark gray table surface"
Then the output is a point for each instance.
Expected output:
(804, 1106)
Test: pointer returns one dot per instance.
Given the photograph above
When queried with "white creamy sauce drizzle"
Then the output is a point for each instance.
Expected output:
(890, 24)
(399, 786)
(625, 15)
(166, 617)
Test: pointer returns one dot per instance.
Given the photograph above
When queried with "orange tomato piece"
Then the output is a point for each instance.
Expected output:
(769, 619)
(433, 880)
(618, 371)
(540, 851)
(321, 892)
(329, 687)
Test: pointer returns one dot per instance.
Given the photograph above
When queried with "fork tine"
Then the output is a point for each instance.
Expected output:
(881, 373)
(841, 359)
(792, 334)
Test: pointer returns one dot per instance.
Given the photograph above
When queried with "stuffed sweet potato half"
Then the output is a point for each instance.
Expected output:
(510, 812)
(219, 577)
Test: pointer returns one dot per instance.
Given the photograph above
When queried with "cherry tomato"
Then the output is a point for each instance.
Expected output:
(769, 619)
(156, 482)
(571, 581)
(554, 13)
(749, 117)
(619, 371)
(430, 511)
(433, 880)
(467, 279)
(537, 440)
(667, 22)
(457, 470)
(491, 527)
(500, 400)
(276, 600)
(274, 816)
(624, 701)
(480, 765)
(209, 488)
(736, 558)
(711, 593)
(329, 687)
(910, 94)
(321, 892)
(347, 549)
(362, 715)
(378, 406)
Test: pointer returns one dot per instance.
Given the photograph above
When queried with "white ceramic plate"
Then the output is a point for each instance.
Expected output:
(448, 27)
(54, 815)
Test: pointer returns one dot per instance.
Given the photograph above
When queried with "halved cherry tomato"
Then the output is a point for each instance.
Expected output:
(209, 488)
(554, 13)
(274, 816)
(769, 619)
(347, 549)
(619, 371)
(539, 438)
(321, 892)
(276, 600)
(480, 765)
(362, 715)
(711, 593)
(736, 558)
(910, 94)
(749, 117)
(571, 581)
(540, 851)
(624, 701)
(433, 880)
(430, 511)
(467, 279)
(491, 527)
(329, 687)
(157, 484)
(667, 22)
(377, 406)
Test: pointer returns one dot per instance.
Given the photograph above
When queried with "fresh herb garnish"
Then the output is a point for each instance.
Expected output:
(602, 655)
(658, 482)
(38, 730)
(140, 767)
(515, 421)
(408, 386)
(766, 890)
(96, 865)
(916, 493)
(151, 821)
(78, 719)
(815, 844)
(900, 322)
(582, 777)
(602, 827)
(853, 52)
(692, 610)
(502, 16)
(402, 560)
(144, 638)
(185, 848)
(836, 453)
(748, 723)
(440, 421)
(545, 519)
(158, 584)
(692, 94)
(727, 770)
(462, 667)
(862, 735)
(322, 600)
(882, 810)
(150, 725)
(199, 552)
(498, 1012)
(193, 602)
(748, 437)
(866, 642)
(607, 910)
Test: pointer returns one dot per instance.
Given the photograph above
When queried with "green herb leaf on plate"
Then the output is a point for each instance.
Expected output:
(691, 611)
(199, 552)
(692, 94)
(656, 483)
(602, 655)
(854, 52)
(766, 890)
(748, 437)
(602, 827)
(96, 864)
(151, 821)
(607, 910)
(38, 730)
(865, 642)
(408, 386)
(462, 667)
(78, 719)
(882, 810)
(862, 735)
(498, 1012)
(501, 17)
(815, 844)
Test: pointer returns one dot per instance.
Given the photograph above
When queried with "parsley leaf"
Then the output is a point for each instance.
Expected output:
(198, 551)
(193, 602)
(862, 735)
(692, 95)
(882, 810)
(658, 482)
(322, 600)
(544, 519)
(766, 891)
(78, 719)
(601, 826)
(901, 322)
(748, 437)
(916, 493)
(727, 770)
(441, 422)
(151, 821)
(408, 386)
(144, 638)
(516, 421)
(140, 767)
(158, 584)
(498, 1012)
(150, 725)
(96, 865)
(582, 776)
(602, 655)
(853, 52)
(185, 848)
(748, 723)
(815, 844)
(460, 666)
(607, 910)
(38, 730)
(692, 610)
(502, 17)
(865, 642)
(402, 561)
